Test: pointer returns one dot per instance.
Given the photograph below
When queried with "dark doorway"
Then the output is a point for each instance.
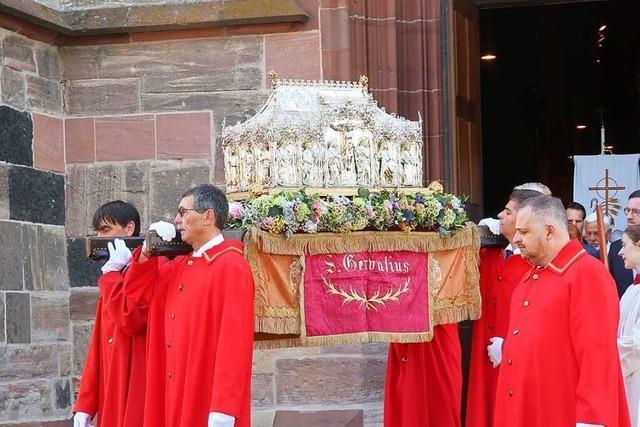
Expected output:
(555, 69)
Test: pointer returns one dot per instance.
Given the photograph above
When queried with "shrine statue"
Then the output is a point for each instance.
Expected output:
(333, 163)
(363, 145)
(409, 165)
(264, 174)
(311, 168)
(286, 161)
(388, 160)
(247, 163)
(232, 171)
(341, 152)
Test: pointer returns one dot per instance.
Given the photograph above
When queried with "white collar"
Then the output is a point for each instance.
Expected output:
(211, 243)
(515, 251)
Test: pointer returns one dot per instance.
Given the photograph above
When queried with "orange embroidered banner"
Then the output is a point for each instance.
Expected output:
(369, 293)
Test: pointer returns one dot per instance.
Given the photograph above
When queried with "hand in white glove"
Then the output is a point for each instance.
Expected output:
(218, 419)
(165, 230)
(495, 351)
(119, 256)
(492, 223)
(82, 419)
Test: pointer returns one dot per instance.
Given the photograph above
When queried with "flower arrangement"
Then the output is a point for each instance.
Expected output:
(298, 212)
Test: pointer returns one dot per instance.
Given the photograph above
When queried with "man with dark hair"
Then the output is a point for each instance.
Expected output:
(622, 276)
(200, 333)
(116, 218)
(112, 387)
(560, 364)
(500, 272)
(576, 214)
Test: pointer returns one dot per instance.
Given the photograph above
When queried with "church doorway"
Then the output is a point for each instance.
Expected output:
(550, 75)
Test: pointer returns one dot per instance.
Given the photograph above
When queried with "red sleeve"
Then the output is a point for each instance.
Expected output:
(140, 277)
(129, 314)
(232, 374)
(593, 326)
(87, 400)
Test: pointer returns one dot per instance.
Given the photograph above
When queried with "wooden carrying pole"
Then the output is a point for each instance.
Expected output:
(602, 237)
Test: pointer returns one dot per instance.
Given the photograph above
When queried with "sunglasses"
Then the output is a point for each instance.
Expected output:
(182, 211)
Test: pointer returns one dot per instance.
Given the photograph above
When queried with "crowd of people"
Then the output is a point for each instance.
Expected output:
(555, 346)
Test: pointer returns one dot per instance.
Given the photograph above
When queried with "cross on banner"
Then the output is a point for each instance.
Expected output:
(608, 200)
(613, 177)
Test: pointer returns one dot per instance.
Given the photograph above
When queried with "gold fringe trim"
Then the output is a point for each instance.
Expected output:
(279, 326)
(455, 314)
(366, 337)
(272, 344)
(363, 241)
(277, 312)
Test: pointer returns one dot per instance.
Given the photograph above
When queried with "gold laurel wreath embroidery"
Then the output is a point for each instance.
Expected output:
(368, 303)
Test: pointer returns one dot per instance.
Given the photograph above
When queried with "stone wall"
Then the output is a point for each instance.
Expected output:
(35, 338)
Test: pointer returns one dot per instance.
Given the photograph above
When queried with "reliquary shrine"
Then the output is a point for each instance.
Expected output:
(322, 135)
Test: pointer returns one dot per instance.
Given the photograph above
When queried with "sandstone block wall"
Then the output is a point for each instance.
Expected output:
(35, 338)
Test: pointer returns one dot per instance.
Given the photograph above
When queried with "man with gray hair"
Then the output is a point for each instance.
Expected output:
(591, 230)
(200, 322)
(559, 361)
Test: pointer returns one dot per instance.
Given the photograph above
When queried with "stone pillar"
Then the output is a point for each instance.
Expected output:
(35, 338)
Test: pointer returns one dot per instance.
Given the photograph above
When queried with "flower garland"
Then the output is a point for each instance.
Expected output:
(298, 212)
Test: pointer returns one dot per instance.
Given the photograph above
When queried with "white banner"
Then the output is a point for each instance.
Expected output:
(607, 180)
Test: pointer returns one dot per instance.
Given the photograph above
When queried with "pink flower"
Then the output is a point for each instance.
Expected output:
(236, 210)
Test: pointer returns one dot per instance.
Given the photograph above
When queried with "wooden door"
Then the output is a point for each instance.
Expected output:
(466, 123)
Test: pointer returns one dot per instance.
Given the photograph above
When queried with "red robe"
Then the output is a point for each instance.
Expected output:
(424, 382)
(200, 336)
(498, 279)
(113, 379)
(560, 361)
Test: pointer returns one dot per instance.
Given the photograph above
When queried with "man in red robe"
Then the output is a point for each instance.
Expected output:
(112, 386)
(559, 362)
(200, 327)
(423, 387)
(500, 272)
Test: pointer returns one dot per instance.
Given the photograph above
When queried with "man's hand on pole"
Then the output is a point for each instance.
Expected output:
(119, 256)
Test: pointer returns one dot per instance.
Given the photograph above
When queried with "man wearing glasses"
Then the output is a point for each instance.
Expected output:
(623, 276)
(200, 324)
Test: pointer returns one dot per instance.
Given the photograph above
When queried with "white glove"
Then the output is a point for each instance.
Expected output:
(495, 351)
(82, 419)
(492, 223)
(119, 256)
(218, 419)
(164, 229)
(588, 425)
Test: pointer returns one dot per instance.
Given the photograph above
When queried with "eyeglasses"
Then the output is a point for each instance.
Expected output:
(634, 211)
(182, 211)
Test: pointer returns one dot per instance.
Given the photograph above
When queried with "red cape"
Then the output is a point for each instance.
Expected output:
(113, 379)
(498, 279)
(560, 363)
(200, 336)
(424, 382)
